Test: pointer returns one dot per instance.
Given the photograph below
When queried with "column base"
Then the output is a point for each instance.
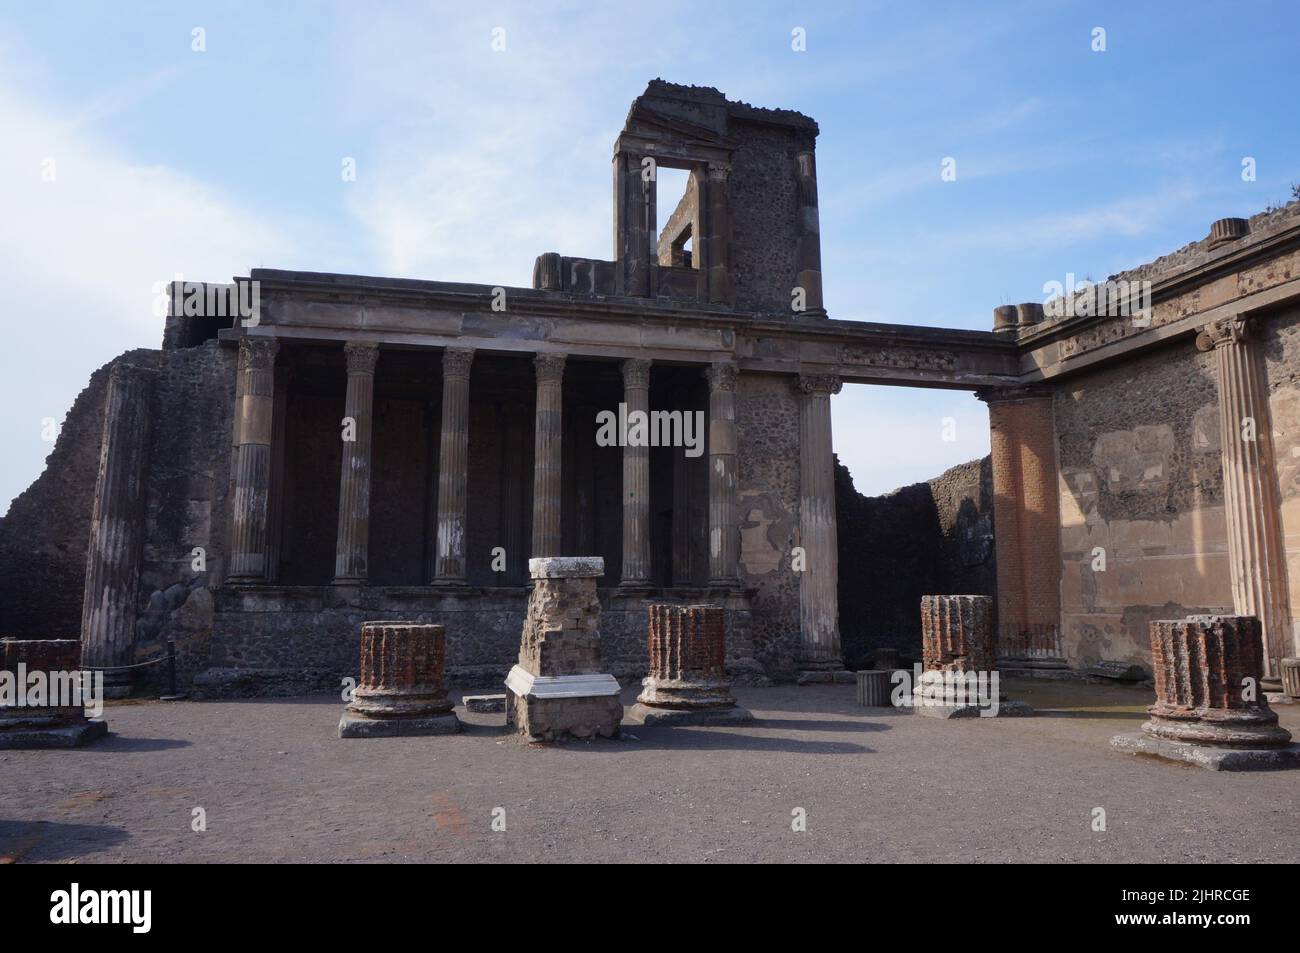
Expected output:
(1214, 758)
(354, 725)
(53, 736)
(825, 676)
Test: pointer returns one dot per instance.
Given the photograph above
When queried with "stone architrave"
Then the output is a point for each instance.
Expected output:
(1210, 709)
(401, 691)
(688, 681)
(48, 725)
(557, 689)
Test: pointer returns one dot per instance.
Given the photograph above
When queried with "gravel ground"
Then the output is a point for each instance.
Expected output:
(276, 784)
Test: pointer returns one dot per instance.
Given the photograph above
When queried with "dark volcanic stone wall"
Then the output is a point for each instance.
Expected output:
(44, 535)
(928, 538)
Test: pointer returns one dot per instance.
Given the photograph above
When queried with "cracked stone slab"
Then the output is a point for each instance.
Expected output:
(652, 717)
(1209, 756)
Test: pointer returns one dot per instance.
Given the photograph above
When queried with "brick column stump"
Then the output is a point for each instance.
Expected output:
(1210, 708)
(401, 691)
(46, 724)
(557, 689)
(959, 650)
(688, 683)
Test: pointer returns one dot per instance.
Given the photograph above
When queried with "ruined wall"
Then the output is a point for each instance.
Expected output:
(1282, 365)
(1141, 479)
(765, 213)
(185, 500)
(923, 539)
(767, 504)
(43, 536)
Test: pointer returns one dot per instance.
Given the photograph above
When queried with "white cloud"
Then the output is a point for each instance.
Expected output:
(80, 256)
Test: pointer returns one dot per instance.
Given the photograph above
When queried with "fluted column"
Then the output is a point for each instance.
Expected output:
(254, 418)
(453, 468)
(717, 232)
(352, 545)
(636, 476)
(108, 609)
(1256, 555)
(819, 616)
(724, 526)
(546, 454)
(512, 493)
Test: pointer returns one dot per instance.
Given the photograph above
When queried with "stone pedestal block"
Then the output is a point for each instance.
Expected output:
(957, 634)
(688, 652)
(557, 689)
(1207, 674)
(46, 724)
(401, 690)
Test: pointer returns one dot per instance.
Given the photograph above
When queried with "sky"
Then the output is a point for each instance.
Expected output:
(129, 155)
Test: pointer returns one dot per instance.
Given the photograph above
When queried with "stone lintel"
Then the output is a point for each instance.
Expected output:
(566, 567)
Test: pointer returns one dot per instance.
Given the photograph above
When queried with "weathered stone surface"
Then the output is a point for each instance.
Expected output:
(401, 680)
(1207, 672)
(652, 716)
(687, 658)
(49, 725)
(957, 633)
(485, 704)
(1213, 757)
(557, 689)
(874, 688)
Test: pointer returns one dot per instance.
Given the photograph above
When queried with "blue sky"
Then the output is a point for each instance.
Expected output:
(471, 162)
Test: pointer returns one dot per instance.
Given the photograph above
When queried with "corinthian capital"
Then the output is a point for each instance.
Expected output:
(636, 373)
(722, 376)
(456, 362)
(1230, 330)
(820, 385)
(550, 368)
(361, 356)
(257, 354)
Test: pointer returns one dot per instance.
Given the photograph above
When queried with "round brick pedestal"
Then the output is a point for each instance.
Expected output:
(688, 681)
(401, 690)
(1202, 666)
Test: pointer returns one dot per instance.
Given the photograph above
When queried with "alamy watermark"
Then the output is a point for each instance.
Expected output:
(25, 688)
(1109, 298)
(654, 428)
(946, 689)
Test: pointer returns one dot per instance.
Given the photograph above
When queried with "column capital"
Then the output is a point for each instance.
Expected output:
(819, 385)
(718, 171)
(1233, 329)
(456, 362)
(722, 376)
(636, 372)
(550, 368)
(257, 353)
(361, 356)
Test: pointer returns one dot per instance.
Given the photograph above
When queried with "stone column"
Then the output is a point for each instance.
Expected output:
(275, 503)
(557, 688)
(635, 240)
(352, 545)
(819, 617)
(453, 468)
(402, 691)
(724, 525)
(254, 418)
(1027, 524)
(957, 634)
(808, 251)
(636, 478)
(108, 611)
(688, 681)
(547, 454)
(717, 234)
(512, 492)
(1256, 553)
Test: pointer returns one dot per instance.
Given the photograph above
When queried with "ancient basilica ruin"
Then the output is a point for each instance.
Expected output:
(359, 448)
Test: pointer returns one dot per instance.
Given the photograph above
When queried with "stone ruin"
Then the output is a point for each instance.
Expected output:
(47, 725)
(557, 689)
(1210, 708)
(688, 681)
(402, 691)
(959, 643)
